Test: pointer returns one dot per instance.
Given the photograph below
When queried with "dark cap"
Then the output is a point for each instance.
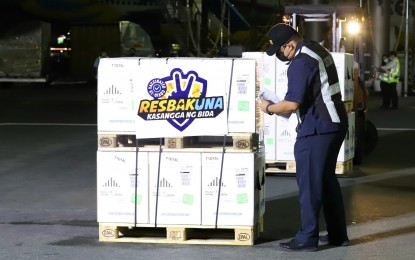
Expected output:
(279, 35)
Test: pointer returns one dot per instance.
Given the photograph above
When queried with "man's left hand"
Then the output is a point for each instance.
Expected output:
(264, 105)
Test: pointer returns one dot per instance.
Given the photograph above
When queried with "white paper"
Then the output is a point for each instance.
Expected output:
(272, 97)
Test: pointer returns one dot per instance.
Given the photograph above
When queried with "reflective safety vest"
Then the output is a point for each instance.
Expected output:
(384, 76)
(392, 75)
(395, 72)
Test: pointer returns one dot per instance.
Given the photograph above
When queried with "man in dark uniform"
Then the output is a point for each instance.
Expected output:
(314, 95)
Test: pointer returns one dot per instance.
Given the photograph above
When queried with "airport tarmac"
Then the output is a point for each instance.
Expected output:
(48, 188)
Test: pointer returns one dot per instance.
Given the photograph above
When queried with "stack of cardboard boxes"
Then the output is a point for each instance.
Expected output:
(155, 186)
(279, 132)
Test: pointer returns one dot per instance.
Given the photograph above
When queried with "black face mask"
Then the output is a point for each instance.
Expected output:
(281, 56)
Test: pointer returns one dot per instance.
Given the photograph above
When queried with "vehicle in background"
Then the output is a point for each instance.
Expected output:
(366, 135)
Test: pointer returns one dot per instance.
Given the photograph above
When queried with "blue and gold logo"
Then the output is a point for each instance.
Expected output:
(180, 99)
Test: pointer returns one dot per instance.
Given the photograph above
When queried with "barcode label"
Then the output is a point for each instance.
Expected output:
(241, 181)
(242, 86)
(186, 179)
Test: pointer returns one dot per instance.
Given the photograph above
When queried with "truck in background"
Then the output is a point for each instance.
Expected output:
(366, 135)
(24, 52)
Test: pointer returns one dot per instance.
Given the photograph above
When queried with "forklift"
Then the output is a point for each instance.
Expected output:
(333, 17)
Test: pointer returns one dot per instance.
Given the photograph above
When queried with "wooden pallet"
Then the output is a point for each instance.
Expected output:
(280, 167)
(179, 235)
(344, 167)
(236, 141)
(124, 140)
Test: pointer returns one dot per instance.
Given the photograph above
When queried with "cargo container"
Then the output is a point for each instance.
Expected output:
(24, 52)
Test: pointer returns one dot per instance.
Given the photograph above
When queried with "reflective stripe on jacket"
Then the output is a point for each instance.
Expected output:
(384, 76)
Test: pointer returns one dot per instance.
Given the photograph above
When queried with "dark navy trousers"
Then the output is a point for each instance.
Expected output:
(316, 157)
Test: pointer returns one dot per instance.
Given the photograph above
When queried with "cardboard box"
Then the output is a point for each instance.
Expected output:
(285, 138)
(279, 134)
(241, 189)
(179, 196)
(116, 187)
(266, 68)
(350, 66)
(347, 149)
(344, 66)
(266, 74)
(281, 82)
(118, 79)
(270, 137)
(243, 89)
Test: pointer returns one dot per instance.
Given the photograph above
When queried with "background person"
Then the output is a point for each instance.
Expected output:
(342, 45)
(103, 54)
(327, 38)
(383, 78)
(389, 79)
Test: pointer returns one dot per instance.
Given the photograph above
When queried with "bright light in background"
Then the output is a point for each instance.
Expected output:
(285, 19)
(353, 27)
(61, 39)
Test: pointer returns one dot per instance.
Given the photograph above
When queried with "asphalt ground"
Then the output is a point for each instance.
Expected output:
(48, 188)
